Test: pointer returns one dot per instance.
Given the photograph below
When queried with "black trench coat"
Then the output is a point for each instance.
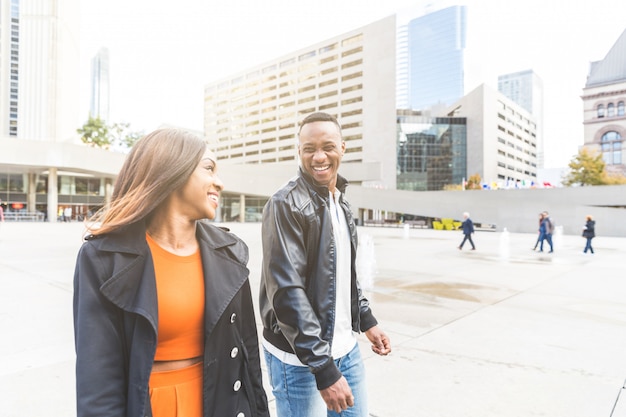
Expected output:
(115, 326)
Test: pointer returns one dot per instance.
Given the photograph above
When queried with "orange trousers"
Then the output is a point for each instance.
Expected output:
(177, 393)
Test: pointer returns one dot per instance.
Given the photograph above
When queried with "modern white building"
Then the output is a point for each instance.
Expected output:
(9, 66)
(501, 137)
(604, 115)
(43, 166)
(49, 52)
(526, 89)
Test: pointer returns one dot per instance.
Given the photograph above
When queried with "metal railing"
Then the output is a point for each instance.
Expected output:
(23, 217)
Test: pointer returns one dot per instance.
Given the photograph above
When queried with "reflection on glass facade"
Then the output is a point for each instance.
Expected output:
(431, 152)
(84, 194)
(231, 207)
(435, 57)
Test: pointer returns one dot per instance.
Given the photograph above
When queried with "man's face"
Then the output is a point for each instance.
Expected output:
(321, 149)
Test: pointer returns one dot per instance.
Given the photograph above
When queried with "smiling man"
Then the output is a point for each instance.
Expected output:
(310, 299)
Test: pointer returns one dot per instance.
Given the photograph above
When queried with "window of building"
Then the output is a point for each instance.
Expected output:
(620, 108)
(352, 51)
(351, 76)
(611, 145)
(610, 110)
(307, 55)
(328, 48)
(352, 64)
(328, 106)
(352, 40)
(328, 82)
(600, 110)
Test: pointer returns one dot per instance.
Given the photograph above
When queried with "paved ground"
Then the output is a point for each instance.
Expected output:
(500, 331)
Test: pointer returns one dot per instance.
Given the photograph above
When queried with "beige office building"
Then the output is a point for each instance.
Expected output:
(252, 117)
(43, 166)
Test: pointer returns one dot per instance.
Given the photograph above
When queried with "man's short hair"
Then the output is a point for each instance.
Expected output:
(319, 117)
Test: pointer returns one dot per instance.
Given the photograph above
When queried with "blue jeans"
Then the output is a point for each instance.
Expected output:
(547, 237)
(296, 392)
(588, 245)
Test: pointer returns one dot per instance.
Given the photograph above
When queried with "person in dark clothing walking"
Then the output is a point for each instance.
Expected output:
(468, 229)
(589, 233)
(546, 229)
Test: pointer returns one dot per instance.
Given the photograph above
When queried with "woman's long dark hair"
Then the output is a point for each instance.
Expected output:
(158, 164)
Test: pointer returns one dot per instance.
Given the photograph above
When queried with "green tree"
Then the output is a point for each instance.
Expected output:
(95, 133)
(123, 136)
(586, 168)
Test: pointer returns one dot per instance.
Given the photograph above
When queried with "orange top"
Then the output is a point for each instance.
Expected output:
(180, 296)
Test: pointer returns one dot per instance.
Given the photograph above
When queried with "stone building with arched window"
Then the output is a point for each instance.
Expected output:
(604, 98)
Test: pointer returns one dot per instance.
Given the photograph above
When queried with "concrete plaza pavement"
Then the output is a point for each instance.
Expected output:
(500, 331)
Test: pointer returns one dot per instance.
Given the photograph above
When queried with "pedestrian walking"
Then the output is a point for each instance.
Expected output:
(546, 229)
(468, 229)
(589, 232)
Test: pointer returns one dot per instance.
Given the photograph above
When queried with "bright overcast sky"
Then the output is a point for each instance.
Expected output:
(162, 53)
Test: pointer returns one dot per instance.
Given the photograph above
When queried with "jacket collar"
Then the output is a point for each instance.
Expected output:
(132, 286)
(131, 239)
(322, 190)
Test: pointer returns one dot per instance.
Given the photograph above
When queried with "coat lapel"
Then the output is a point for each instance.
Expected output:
(224, 264)
(132, 286)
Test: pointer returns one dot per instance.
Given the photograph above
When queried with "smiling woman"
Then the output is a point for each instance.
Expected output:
(149, 290)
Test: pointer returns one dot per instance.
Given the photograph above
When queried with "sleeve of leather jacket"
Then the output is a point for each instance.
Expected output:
(100, 376)
(284, 270)
(367, 319)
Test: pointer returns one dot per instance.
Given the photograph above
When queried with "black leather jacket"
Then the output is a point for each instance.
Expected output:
(297, 294)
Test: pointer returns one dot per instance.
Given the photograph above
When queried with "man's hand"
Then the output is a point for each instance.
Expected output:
(338, 397)
(380, 342)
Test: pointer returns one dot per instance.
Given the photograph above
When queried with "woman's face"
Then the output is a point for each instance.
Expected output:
(199, 197)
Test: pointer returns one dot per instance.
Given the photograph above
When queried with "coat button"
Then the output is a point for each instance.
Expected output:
(234, 352)
(237, 385)
(241, 415)
(233, 317)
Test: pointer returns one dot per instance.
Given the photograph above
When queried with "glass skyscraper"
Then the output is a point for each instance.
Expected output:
(431, 152)
(435, 58)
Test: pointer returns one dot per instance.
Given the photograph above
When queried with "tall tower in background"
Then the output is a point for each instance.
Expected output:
(526, 89)
(99, 106)
(435, 46)
(9, 66)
